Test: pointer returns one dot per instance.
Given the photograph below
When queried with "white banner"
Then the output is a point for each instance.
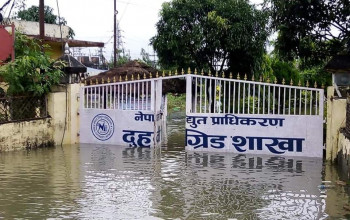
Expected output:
(117, 127)
(289, 135)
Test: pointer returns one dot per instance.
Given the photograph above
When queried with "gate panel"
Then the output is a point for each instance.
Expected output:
(227, 115)
(118, 113)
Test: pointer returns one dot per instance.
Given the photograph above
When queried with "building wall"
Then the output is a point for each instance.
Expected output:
(61, 125)
(26, 134)
(336, 116)
(32, 28)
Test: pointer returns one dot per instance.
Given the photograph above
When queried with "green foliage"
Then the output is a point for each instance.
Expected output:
(122, 59)
(311, 30)
(33, 71)
(176, 102)
(273, 67)
(210, 34)
(32, 14)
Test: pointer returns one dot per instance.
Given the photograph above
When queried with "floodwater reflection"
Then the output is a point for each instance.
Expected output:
(112, 182)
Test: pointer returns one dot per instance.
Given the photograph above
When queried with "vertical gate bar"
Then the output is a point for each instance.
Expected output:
(259, 99)
(279, 99)
(153, 95)
(274, 100)
(200, 94)
(138, 95)
(264, 94)
(305, 102)
(91, 96)
(299, 101)
(105, 98)
(99, 97)
(98, 104)
(321, 98)
(130, 95)
(188, 94)
(134, 95)
(295, 100)
(147, 98)
(289, 101)
(142, 95)
(239, 97)
(115, 95)
(122, 96)
(254, 98)
(268, 100)
(210, 95)
(243, 105)
(284, 100)
(234, 97)
(224, 109)
(88, 97)
(229, 97)
(118, 96)
(195, 94)
(110, 97)
(126, 96)
(311, 102)
(205, 95)
(220, 103)
(248, 111)
(215, 86)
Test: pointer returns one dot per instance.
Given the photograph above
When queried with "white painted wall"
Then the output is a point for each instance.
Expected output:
(32, 28)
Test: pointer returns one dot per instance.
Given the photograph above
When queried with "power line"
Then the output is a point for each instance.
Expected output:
(6, 3)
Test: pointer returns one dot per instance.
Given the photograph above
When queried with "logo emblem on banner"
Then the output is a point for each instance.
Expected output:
(102, 127)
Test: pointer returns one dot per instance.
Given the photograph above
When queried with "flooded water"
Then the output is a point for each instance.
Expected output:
(112, 182)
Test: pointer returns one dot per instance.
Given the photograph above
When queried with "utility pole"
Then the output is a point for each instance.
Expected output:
(41, 19)
(115, 34)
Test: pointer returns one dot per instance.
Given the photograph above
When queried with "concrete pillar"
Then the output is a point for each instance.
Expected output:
(63, 107)
(336, 116)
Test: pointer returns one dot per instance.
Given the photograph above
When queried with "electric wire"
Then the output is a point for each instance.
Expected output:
(11, 9)
(6, 3)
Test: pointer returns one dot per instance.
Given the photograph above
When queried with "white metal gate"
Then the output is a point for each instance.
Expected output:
(229, 115)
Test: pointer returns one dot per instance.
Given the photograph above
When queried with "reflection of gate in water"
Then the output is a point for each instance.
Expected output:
(222, 115)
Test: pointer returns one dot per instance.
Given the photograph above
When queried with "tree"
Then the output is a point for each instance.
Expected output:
(211, 34)
(32, 72)
(32, 14)
(312, 30)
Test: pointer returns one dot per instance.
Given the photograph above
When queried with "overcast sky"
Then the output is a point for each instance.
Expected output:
(92, 20)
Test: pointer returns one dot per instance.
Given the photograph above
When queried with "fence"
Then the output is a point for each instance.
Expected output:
(347, 126)
(216, 95)
(19, 108)
(123, 95)
(211, 95)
